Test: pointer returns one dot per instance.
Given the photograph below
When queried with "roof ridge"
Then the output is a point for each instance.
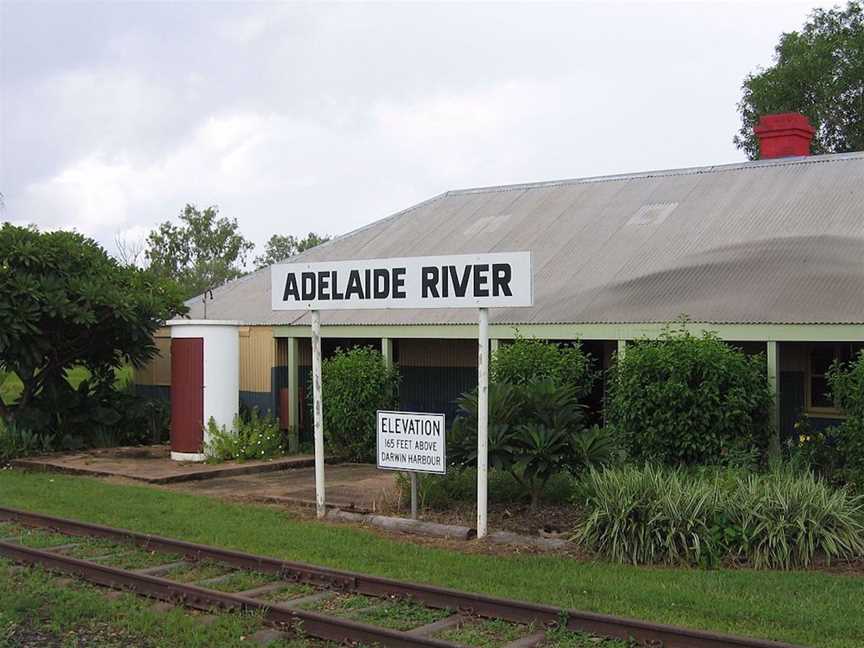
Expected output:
(698, 170)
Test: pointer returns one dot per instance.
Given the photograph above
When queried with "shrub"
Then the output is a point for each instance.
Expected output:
(787, 519)
(782, 519)
(256, 438)
(460, 485)
(843, 450)
(685, 399)
(526, 361)
(356, 384)
(534, 434)
(648, 515)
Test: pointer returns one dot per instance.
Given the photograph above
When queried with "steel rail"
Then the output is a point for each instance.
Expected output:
(645, 632)
(312, 623)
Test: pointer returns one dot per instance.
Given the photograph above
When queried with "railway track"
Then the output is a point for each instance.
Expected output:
(318, 599)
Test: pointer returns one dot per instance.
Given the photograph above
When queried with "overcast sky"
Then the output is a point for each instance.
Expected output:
(299, 117)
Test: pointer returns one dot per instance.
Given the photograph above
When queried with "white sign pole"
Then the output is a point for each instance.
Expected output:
(318, 413)
(482, 421)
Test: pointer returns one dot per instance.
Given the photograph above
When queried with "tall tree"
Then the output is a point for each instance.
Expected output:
(279, 247)
(202, 253)
(65, 303)
(819, 72)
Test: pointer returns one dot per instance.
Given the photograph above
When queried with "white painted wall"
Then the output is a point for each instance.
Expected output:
(221, 372)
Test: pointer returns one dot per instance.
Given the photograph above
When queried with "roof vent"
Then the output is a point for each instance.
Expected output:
(784, 135)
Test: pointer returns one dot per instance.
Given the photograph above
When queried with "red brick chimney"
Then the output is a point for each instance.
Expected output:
(784, 135)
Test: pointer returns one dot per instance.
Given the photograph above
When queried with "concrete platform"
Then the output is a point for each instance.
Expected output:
(351, 487)
(153, 465)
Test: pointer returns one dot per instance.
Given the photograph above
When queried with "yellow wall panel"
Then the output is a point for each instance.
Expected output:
(257, 358)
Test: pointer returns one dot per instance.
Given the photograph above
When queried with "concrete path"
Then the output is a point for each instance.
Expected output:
(360, 487)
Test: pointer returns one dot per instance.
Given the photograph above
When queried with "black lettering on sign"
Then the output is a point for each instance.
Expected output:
(502, 273)
(481, 278)
(460, 286)
(307, 285)
(429, 281)
(355, 287)
(382, 283)
(368, 291)
(335, 286)
(399, 283)
(323, 285)
(291, 289)
(445, 285)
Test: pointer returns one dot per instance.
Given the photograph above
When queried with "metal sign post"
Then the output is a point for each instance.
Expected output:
(413, 495)
(318, 411)
(482, 421)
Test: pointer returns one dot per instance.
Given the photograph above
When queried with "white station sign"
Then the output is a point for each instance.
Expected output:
(411, 441)
(498, 279)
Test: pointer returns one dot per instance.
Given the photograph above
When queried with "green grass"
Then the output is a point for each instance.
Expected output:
(804, 607)
(31, 600)
(290, 591)
(485, 633)
(242, 581)
(400, 615)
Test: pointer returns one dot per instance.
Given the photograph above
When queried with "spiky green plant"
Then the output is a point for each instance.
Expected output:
(787, 520)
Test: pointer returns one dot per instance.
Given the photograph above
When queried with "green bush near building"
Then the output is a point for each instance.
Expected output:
(682, 399)
(527, 360)
(356, 383)
(843, 446)
(254, 438)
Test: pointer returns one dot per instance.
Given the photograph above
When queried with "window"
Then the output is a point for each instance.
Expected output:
(821, 356)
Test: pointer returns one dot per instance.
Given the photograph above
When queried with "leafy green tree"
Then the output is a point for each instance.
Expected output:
(202, 253)
(819, 72)
(65, 303)
(280, 247)
(846, 445)
(682, 399)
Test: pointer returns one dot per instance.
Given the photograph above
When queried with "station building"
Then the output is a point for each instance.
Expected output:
(768, 254)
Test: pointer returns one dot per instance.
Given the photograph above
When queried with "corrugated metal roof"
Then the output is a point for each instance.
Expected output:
(774, 241)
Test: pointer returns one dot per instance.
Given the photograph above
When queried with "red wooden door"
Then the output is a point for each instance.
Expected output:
(187, 394)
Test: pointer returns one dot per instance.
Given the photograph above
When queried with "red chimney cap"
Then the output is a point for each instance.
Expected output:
(784, 135)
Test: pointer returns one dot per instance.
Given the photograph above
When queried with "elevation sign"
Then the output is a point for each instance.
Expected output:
(411, 441)
(457, 281)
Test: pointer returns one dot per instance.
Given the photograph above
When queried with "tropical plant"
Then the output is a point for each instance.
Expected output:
(647, 515)
(356, 383)
(17, 441)
(533, 430)
(682, 399)
(782, 519)
(788, 519)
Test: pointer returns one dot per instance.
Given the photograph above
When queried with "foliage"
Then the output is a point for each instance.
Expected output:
(838, 452)
(683, 399)
(355, 385)
(787, 519)
(783, 519)
(535, 432)
(818, 71)
(280, 247)
(647, 515)
(459, 485)
(254, 438)
(17, 441)
(64, 303)
(526, 361)
(202, 253)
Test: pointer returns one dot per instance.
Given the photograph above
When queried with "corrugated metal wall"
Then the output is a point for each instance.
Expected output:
(158, 370)
(257, 358)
